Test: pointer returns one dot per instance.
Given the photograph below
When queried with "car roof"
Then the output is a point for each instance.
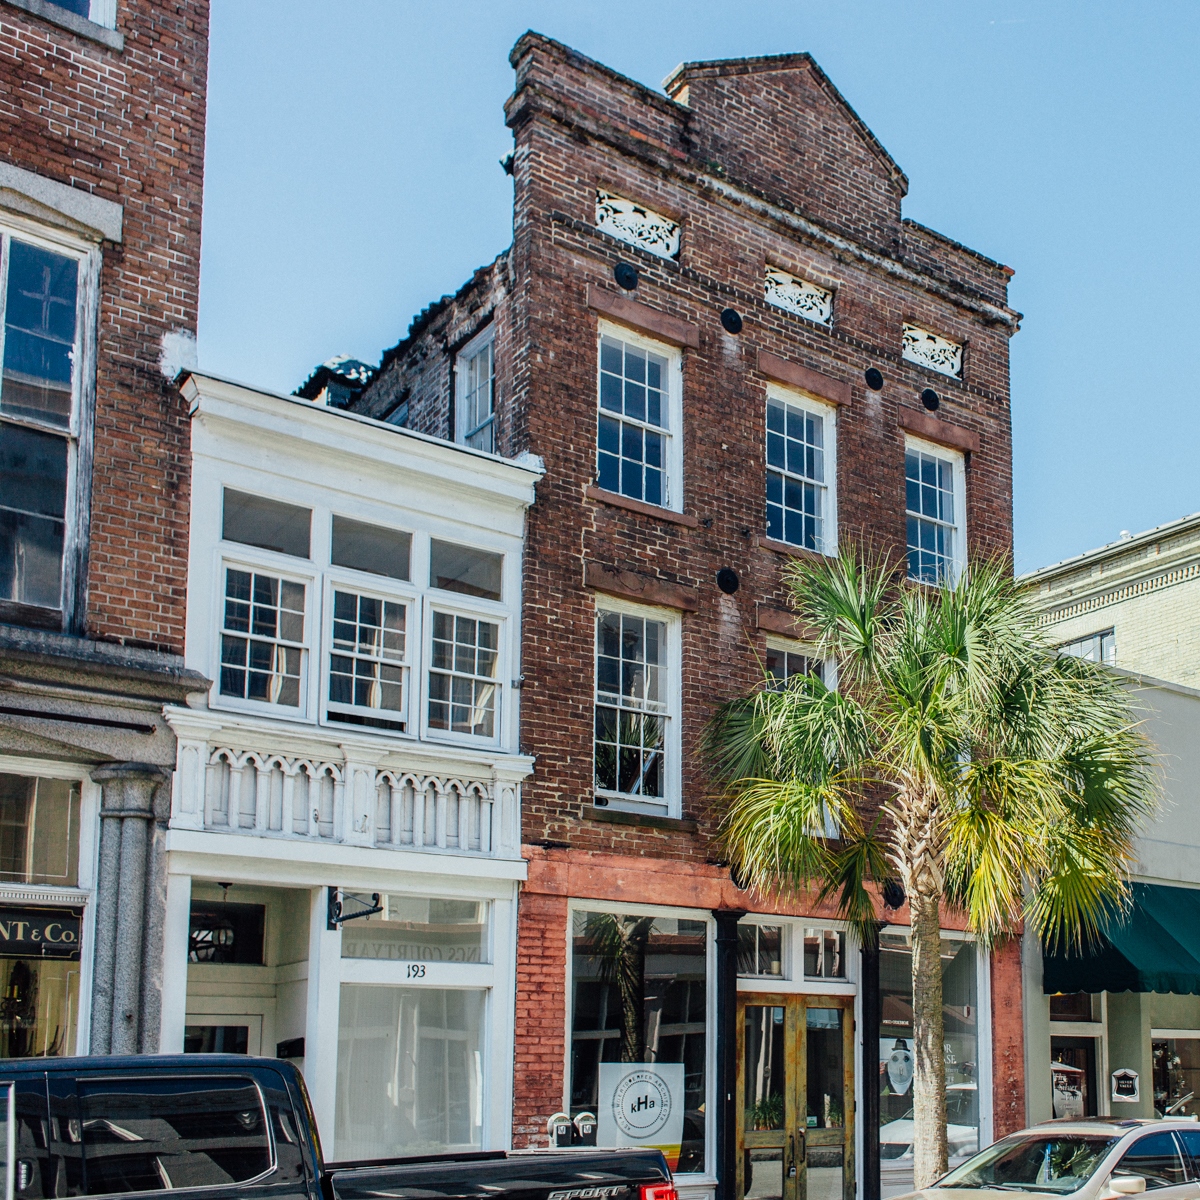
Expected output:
(1116, 1126)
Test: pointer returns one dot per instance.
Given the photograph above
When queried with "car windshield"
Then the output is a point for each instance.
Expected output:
(1039, 1163)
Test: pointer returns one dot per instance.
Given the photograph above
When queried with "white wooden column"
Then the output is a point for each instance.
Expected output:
(321, 1024)
(176, 927)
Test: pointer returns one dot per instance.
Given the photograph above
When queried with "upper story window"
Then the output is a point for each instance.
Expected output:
(935, 508)
(42, 385)
(475, 393)
(932, 350)
(796, 295)
(638, 453)
(636, 224)
(1096, 647)
(786, 660)
(100, 12)
(801, 471)
(636, 731)
(344, 640)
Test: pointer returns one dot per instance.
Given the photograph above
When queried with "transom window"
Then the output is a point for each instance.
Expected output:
(463, 684)
(367, 662)
(262, 640)
(631, 709)
(634, 442)
(934, 513)
(799, 468)
(40, 382)
(476, 391)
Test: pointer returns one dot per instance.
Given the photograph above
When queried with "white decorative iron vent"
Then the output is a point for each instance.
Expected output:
(798, 296)
(929, 350)
(637, 225)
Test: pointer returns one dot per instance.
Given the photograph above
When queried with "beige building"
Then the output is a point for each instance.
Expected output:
(1119, 1030)
(1134, 603)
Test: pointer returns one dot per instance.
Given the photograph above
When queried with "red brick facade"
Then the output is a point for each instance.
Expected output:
(127, 125)
(762, 164)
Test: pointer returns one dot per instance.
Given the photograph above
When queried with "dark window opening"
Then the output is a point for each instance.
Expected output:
(268, 524)
(221, 932)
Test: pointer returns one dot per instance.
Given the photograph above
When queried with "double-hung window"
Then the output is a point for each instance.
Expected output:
(475, 393)
(43, 385)
(637, 452)
(464, 688)
(934, 502)
(801, 470)
(636, 728)
(786, 660)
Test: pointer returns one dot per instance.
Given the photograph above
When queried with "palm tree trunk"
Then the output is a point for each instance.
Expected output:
(929, 1059)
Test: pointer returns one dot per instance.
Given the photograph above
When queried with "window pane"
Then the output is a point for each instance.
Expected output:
(157, 1133)
(39, 830)
(262, 667)
(371, 548)
(410, 1071)
(39, 333)
(630, 459)
(463, 693)
(271, 524)
(416, 929)
(639, 1001)
(465, 569)
(33, 494)
(765, 1067)
(961, 1046)
(223, 932)
(1177, 1081)
(1156, 1159)
(41, 1005)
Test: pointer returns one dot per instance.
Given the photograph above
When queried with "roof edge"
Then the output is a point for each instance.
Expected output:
(1113, 549)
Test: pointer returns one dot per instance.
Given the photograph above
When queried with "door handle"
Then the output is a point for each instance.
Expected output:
(791, 1163)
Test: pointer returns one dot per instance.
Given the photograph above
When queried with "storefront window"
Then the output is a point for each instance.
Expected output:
(640, 1001)
(410, 1071)
(39, 1006)
(39, 830)
(415, 929)
(1176, 1076)
(961, 1047)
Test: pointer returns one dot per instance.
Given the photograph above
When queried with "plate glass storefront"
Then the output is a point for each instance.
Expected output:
(410, 1071)
(640, 999)
(1176, 1076)
(960, 1000)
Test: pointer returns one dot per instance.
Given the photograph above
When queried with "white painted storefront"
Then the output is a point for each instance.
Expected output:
(354, 595)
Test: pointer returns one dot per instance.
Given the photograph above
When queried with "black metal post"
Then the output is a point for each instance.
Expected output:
(725, 1028)
(871, 1016)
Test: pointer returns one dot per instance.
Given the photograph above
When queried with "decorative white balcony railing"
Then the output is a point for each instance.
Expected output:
(221, 788)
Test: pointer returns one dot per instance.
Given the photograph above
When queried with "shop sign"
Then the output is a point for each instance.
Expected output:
(39, 932)
(1125, 1085)
(641, 1104)
(1067, 1084)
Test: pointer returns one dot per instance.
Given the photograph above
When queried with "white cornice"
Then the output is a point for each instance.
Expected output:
(313, 429)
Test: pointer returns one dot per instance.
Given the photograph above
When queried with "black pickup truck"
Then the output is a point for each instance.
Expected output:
(221, 1126)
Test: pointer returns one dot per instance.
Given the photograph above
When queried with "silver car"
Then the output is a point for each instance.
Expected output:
(1096, 1158)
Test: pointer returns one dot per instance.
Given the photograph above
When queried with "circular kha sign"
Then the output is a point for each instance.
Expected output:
(641, 1104)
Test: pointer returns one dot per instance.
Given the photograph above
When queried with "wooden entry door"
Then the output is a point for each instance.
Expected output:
(796, 1083)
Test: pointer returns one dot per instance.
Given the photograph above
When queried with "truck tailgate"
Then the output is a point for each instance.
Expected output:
(537, 1175)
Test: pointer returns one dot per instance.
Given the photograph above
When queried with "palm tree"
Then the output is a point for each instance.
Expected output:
(959, 755)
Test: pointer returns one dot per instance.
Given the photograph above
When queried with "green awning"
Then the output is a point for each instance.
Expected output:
(1154, 948)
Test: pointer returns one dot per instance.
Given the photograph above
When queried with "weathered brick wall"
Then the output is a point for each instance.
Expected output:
(578, 128)
(540, 1015)
(127, 125)
(1008, 1040)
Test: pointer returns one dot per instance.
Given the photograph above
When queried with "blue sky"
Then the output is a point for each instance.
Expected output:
(352, 176)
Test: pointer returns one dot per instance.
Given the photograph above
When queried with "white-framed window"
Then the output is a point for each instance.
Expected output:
(637, 698)
(264, 637)
(1095, 647)
(475, 392)
(935, 503)
(47, 365)
(786, 659)
(762, 949)
(801, 471)
(638, 442)
(464, 681)
(824, 954)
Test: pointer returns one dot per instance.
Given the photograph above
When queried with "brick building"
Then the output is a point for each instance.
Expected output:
(102, 106)
(729, 348)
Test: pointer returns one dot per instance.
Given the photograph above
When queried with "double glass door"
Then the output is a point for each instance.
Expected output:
(796, 1080)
